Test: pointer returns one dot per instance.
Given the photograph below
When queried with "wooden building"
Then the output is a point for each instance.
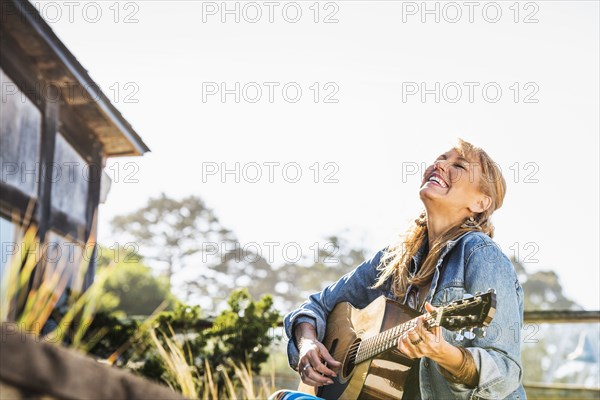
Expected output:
(57, 130)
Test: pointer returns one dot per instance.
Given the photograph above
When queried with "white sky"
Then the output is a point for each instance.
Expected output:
(370, 134)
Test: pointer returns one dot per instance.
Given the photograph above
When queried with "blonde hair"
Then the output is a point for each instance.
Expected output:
(395, 261)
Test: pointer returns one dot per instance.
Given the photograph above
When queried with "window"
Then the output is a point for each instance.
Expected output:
(20, 136)
(70, 178)
(67, 258)
(8, 245)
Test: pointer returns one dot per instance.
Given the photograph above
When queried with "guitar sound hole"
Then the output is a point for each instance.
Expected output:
(350, 360)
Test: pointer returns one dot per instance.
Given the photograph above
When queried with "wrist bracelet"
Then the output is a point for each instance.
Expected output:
(467, 373)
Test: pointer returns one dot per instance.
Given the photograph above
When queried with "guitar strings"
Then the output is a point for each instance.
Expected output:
(372, 346)
(372, 343)
(354, 348)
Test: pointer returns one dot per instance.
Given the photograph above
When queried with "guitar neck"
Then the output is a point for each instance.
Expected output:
(388, 339)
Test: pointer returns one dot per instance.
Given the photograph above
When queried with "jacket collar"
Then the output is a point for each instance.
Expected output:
(423, 250)
(420, 254)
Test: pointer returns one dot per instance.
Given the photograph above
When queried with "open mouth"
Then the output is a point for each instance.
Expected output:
(437, 179)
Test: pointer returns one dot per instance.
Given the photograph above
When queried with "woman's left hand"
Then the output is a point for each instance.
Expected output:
(420, 342)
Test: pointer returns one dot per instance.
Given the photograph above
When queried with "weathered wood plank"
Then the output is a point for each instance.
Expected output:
(562, 316)
(32, 368)
(559, 391)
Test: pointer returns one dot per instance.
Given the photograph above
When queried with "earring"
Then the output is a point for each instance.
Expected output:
(470, 223)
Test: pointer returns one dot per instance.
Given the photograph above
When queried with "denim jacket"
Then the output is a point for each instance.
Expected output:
(472, 263)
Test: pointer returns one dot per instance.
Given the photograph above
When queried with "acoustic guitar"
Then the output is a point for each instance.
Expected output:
(365, 342)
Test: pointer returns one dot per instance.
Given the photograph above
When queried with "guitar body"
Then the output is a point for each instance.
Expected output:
(382, 377)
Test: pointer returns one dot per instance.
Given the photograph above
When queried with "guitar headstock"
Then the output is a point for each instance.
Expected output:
(468, 313)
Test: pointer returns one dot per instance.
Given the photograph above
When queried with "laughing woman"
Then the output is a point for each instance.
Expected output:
(447, 253)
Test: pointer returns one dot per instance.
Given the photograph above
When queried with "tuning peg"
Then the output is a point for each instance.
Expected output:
(467, 296)
(477, 293)
(480, 332)
(469, 334)
(491, 290)
(459, 335)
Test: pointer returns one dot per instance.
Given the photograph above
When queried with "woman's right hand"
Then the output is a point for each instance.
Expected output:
(314, 363)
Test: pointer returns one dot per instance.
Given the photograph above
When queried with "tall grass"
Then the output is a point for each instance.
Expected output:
(180, 374)
(185, 378)
(31, 288)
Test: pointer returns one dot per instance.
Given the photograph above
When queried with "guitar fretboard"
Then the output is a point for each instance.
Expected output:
(369, 348)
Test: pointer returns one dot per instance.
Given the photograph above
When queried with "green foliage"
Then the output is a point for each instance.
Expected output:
(153, 368)
(543, 290)
(185, 320)
(182, 318)
(242, 333)
(108, 333)
(132, 288)
(139, 292)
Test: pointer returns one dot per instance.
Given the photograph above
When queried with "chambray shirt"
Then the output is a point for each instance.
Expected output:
(472, 263)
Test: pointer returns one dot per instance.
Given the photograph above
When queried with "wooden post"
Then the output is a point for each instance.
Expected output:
(44, 201)
(91, 213)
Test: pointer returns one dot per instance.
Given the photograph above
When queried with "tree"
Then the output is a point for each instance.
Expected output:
(234, 268)
(177, 233)
(295, 282)
(185, 234)
(137, 290)
(169, 231)
(542, 290)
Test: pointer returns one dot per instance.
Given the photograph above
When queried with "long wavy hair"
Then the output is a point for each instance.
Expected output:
(395, 261)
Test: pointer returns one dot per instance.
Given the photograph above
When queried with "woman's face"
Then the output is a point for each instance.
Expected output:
(452, 184)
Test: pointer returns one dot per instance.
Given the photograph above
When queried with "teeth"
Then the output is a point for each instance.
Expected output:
(438, 181)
